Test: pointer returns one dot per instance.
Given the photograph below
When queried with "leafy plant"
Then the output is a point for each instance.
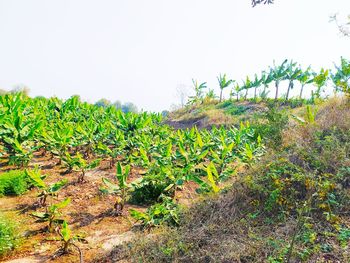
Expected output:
(121, 190)
(166, 212)
(68, 240)
(52, 214)
(46, 190)
(223, 83)
(9, 237)
(13, 182)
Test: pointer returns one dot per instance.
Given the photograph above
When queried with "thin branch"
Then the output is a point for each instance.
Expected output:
(258, 2)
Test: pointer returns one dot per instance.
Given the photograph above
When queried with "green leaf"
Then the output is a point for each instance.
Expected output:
(66, 232)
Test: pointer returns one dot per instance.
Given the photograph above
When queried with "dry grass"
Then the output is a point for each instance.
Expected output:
(226, 229)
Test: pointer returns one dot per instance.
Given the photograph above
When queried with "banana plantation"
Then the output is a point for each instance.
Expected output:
(150, 161)
(72, 164)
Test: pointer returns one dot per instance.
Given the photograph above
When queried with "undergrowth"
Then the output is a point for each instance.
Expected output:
(293, 206)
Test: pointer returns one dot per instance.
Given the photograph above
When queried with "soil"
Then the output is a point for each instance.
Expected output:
(90, 214)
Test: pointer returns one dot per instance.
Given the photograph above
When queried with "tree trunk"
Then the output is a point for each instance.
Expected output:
(237, 97)
(276, 85)
(220, 95)
(288, 90)
(301, 91)
(246, 94)
(255, 93)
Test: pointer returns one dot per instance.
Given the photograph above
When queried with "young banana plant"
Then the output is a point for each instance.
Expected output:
(52, 214)
(45, 190)
(211, 182)
(84, 166)
(68, 240)
(121, 190)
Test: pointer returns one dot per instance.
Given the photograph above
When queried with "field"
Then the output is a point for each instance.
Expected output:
(206, 183)
(73, 154)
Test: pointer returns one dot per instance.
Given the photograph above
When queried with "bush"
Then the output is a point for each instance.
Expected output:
(149, 189)
(8, 235)
(275, 121)
(13, 183)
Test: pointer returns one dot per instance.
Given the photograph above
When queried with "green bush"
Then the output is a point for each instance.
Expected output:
(8, 235)
(149, 189)
(13, 183)
(275, 121)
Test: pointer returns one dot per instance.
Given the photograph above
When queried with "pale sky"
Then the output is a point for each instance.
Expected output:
(140, 51)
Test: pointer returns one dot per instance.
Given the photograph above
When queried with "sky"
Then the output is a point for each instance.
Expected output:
(142, 51)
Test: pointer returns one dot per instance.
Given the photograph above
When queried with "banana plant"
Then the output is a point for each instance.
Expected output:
(199, 91)
(278, 73)
(341, 78)
(223, 83)
(320, 81)
(236, 91)
(306, 77)
(247, 84)
(83, 166)
(45, 190)
(256, 84)
(68, 240)
(210, 184)
(18, 127)
(52, 214)
(266, 79)
(292, 73)
(121, 190)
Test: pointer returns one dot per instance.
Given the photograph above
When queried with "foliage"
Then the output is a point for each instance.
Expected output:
(9, 238)
(68, 240)
(52, 215)
(121, 190)
(14, 182)
(272, 128)
(37, 180)
(165, 212)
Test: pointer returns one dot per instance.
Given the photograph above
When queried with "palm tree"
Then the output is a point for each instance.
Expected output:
(291, 74)
(278, 73)
(223, 83)
(304, 78)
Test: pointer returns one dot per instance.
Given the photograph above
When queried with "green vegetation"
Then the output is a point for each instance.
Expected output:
(290, 207)
(14, 182)
(263, 164)
(9, 237)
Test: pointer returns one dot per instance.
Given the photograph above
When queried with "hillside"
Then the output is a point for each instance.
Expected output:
(290, 206)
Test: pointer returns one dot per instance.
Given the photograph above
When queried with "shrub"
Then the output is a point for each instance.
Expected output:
(149, 189)
(275, 121)
(14, 182)
(8, 235)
